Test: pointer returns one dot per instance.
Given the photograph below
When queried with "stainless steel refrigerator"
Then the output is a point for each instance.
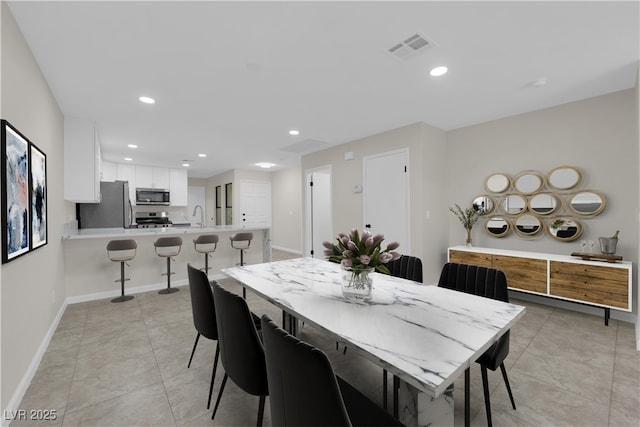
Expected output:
(114, 211)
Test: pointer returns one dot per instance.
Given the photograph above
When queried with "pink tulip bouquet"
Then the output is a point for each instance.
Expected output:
(361, 251)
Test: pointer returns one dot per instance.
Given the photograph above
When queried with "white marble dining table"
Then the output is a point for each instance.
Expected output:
(425, 335)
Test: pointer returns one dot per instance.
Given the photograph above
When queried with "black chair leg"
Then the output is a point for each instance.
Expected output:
(506, 382)
(260, 410)
(384, 388)
(396, 387)
(194, 350)
(215, 409)
(213, 374)
(485, 386)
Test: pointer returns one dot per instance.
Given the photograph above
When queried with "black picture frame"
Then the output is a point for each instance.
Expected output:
(16, 229)
(38, 197)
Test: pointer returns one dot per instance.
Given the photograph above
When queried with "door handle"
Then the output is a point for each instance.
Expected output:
(367, 226)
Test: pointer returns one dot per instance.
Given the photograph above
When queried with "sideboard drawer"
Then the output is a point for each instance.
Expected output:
(589, 283)
(473, 258)
(528, 274)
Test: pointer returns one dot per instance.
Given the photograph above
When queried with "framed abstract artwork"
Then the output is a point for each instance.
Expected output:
(38, 186)
(16, 209)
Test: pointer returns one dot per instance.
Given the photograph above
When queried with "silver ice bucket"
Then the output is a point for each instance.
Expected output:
(608, 245)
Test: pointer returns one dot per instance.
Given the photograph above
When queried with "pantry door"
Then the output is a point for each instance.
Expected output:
(386, 196)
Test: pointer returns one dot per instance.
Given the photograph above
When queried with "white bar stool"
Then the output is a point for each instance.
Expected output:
(242, 242)
(168, 247)
(122, 251)
(206, 244)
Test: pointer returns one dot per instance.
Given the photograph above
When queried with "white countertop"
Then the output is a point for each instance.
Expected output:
(98, 233)
(426, 335)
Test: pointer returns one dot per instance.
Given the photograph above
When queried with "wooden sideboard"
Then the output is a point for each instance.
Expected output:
(596, 283)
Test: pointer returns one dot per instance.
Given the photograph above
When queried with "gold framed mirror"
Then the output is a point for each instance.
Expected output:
(513, 204)
(483, 205)
(564, 178)
(527, 225)
(497, 226)
(497, 183)
(528, 182)
(564, 228)
(544, 203)
(586, 202)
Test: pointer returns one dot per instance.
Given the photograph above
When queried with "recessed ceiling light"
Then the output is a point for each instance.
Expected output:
(186, 165)
(132, 146)
(202, 155)
(128, 159)
(438, 71)
(265, 165)
(147, 100)
(294, 132)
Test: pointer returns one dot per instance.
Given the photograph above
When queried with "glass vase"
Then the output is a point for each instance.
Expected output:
(468, 242)
(356, 283)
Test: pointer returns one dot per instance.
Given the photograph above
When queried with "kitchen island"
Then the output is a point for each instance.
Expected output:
(90, 274)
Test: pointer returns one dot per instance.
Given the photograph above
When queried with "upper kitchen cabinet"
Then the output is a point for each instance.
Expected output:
(109, 171)
(152, 177)
(179, 187)
(127, 173)
(82, 161)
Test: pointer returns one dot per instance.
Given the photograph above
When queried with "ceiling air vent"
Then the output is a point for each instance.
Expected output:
(409, 47)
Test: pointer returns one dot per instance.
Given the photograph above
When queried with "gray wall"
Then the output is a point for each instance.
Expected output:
(32, 290)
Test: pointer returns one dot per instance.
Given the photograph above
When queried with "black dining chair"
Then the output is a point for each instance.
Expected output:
(241, 348)
(489, 283)
(204, 315)
(304, 390)
(410, 268)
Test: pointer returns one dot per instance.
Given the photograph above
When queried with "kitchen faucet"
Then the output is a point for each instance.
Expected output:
(201, 215)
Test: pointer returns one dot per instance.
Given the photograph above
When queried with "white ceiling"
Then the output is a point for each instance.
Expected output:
(231, 78)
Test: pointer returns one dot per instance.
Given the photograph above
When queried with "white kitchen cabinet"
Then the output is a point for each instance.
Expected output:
(179, 187)
(109, 171)
(126, 172)
(152, 177)
(82, 161)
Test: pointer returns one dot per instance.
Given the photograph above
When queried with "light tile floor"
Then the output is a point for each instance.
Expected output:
(126, 365)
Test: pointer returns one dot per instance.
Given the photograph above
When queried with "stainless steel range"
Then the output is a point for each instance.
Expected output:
(152, 219)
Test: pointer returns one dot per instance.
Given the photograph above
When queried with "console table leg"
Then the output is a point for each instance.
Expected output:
(607, 315)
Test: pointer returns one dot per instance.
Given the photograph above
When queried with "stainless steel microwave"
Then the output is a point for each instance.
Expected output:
(152, 196)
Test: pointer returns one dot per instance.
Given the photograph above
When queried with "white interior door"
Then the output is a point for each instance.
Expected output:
(319, 223)
(195, 197)
(386, 196)
(255, 203)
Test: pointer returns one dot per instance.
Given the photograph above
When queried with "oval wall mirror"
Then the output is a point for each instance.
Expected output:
(544, 203)
(482, 205)
(514, 204)
(498, 226)
(564, 228)
(527, 225)
(564, 177)
(497, 183)
(587, 202)
(528, 182)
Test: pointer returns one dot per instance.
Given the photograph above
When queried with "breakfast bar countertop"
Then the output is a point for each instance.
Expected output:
(97, 233)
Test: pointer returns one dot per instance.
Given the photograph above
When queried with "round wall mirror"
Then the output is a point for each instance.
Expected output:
(564, 177)
(543, 203)
(528, 182)
(528, 225)
(514, 204)
(482, 205)
(587, 202)
(497, 183)
(498, 226)
(564, 228)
